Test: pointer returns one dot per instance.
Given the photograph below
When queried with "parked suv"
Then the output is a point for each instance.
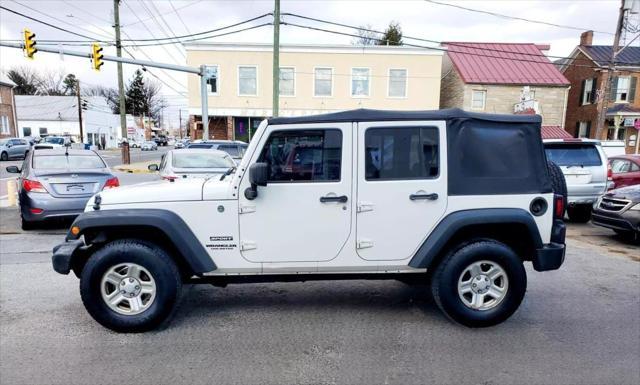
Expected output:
(461, 200)
(585, 168)
(619, 210)
(14, 148)
(160, 140)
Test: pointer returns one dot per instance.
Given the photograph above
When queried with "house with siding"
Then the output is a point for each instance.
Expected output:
(587, 70)
(505, 78)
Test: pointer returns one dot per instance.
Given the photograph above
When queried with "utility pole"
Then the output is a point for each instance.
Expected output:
(204, 96)
(123, 109)
(180, 124)
(79, 111)
(276, 59)
(607, 82)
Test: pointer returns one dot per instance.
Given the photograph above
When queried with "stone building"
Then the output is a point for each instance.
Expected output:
(587, 70)
(505, 78)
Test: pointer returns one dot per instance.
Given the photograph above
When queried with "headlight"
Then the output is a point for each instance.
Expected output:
(635, 207)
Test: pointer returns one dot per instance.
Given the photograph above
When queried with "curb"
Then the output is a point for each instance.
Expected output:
(132, 170)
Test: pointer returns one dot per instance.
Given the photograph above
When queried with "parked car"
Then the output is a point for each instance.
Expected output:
(182, 143)
(160, 140)
(585, 168)
(413, 196)
(14, 148)
(235, 148)
(190, 163)
(619, 210)
(625, 170)
(58, 183)
(51, 142)
(149, 146)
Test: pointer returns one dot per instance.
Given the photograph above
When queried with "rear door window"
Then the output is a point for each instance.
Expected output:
(53, 162)
(231, 149)
(573, 155)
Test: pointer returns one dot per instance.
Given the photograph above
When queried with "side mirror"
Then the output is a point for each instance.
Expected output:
(9, 145)
(13, 169)
(153, 167)
(258, 173)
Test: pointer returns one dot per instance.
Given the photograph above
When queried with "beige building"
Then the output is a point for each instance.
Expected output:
(314, 79)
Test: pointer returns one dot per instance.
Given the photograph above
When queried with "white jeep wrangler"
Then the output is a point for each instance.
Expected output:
(457, 199)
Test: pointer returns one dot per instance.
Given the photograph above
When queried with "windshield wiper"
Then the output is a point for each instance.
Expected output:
(229, 171)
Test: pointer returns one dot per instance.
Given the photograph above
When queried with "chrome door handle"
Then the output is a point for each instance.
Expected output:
(431, 197)
(341, 199)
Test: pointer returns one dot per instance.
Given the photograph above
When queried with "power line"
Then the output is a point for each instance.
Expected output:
(462, 45)
(179, 17)
(515, 17)
(184, 6)
(87, 13)
(171, 34)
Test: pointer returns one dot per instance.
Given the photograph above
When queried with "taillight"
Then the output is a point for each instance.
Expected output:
(558, 206)
(111, 183)
(33, 186)
(609, 172)
(170, 177)
(36, 211)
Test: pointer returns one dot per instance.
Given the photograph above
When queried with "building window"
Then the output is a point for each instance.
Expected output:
(323, 82)
(584, 129)
(247, 81)
(287, 83)
(359, 82)
(478, 98)
(616, 133)
(587, 92)
(4, 125)
(622, 89)
(26, 131)
(43, 131)
(213, 81)
(397, 83)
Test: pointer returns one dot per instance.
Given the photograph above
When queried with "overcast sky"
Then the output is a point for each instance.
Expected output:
(417, 18)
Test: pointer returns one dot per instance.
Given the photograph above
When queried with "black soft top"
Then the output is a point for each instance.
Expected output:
(486, 153)
(367, 115)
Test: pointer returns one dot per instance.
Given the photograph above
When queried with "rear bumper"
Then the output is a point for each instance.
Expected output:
(51, 207)
(63, 255)
(551, 255)
(628, 220)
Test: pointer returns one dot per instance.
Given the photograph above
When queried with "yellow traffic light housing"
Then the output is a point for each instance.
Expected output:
(96, 55)
(29, 43)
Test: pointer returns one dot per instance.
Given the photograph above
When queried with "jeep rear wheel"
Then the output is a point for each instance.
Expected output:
(130, 286)
(480, 284)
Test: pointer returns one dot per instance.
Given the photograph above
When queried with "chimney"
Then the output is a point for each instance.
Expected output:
(586, 38)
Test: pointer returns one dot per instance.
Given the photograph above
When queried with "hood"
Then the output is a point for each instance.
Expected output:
(631, 193)
(153, 192)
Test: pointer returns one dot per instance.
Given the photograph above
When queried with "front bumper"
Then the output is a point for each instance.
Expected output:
(62, 258)
(628, 220)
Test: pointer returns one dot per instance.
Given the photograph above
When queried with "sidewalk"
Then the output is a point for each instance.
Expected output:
(135, 168)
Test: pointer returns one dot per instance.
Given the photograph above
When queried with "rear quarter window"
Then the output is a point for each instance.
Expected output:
(573, 155)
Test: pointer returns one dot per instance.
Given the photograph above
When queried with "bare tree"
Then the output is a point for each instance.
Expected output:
(155, 102)
(109, 93)
(365, 36)
(52, 83)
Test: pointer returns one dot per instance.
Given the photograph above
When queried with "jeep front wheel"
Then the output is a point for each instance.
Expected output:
(480, 284)
(130, 286)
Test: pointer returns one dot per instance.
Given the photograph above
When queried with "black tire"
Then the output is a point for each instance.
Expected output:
(579, 213)
(151, 257)
(444, 284)
(4, 156)
(558, 182)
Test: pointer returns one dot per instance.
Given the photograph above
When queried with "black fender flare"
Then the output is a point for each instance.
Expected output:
(452, 223)
(166, 222)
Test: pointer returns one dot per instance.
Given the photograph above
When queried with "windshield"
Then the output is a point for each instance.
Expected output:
(573, 155)
(201, 160)
(59, 141)
(3, 142)
(67, 162)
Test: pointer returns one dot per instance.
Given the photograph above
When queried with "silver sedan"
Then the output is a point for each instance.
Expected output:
(193, 163)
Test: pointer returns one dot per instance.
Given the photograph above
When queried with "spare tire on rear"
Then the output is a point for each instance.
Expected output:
(558, 183)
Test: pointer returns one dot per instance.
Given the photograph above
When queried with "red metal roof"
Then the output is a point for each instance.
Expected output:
(554, 132)
(503, 63)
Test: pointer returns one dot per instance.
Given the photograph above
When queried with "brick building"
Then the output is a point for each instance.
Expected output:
(587, 70)
(505, 78)
(7, 109)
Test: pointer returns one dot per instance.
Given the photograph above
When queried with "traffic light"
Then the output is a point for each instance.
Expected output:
(29, 43)
(84, 105)
(96, 55)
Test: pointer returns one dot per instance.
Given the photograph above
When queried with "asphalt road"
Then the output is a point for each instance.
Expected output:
(577, 325)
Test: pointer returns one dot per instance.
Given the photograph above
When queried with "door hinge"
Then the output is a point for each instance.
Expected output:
(247, 245)
(247, 209)
(364, 243)
(364, 206)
